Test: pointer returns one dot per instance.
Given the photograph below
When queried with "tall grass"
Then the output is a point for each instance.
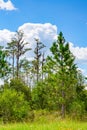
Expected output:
(52, 125)
(46, 121)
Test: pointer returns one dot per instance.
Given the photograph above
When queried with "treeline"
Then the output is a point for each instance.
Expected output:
(52, 82)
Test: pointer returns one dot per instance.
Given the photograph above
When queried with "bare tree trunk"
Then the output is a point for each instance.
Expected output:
(37, 57)
(37, 71)
(63, 105)
(17, 67)
(13, 65)
(43, 59)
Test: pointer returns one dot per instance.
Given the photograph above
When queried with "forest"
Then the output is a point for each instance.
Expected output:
(47, 83)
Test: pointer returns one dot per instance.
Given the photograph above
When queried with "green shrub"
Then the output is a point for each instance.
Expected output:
(45, 96)
(13, 106)
(77, 110)
(19, 86)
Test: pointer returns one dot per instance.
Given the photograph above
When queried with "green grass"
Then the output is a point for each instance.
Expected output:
(46, 121)
(52, 125)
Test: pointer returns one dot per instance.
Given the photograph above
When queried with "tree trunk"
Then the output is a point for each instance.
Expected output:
(13, 65)
(63, 109)
(37, 71)
(17, 67)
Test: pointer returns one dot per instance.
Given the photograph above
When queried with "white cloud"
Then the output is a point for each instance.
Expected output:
(5, 36)
(79, 52)
(46, 33)
(6, 5)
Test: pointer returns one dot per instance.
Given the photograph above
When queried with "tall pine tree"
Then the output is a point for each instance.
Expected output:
(64, 60)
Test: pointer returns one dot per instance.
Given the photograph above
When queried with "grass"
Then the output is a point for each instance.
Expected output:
(44, 121)
(52, 125)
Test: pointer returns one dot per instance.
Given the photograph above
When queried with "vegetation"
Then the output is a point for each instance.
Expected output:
(4, 65)
(37, 57)
(46, 84)
(64, 61)
(44, 124)
(13, 107)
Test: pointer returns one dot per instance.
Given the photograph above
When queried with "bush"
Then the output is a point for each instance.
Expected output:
(19, 86)
(13, 106)
(77, 109)
(45, 96)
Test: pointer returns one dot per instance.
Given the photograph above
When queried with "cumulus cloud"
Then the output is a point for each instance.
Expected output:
(5, 36)
(46, 33)
(6, 5)
(79, 52)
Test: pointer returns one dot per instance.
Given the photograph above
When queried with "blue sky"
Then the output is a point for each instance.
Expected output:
(69, 16)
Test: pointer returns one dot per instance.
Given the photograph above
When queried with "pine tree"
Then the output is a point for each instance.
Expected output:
(19, 45)
(37, 52)
(11, 50)
(64, 60)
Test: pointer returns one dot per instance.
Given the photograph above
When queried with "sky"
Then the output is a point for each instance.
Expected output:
(44, 19)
